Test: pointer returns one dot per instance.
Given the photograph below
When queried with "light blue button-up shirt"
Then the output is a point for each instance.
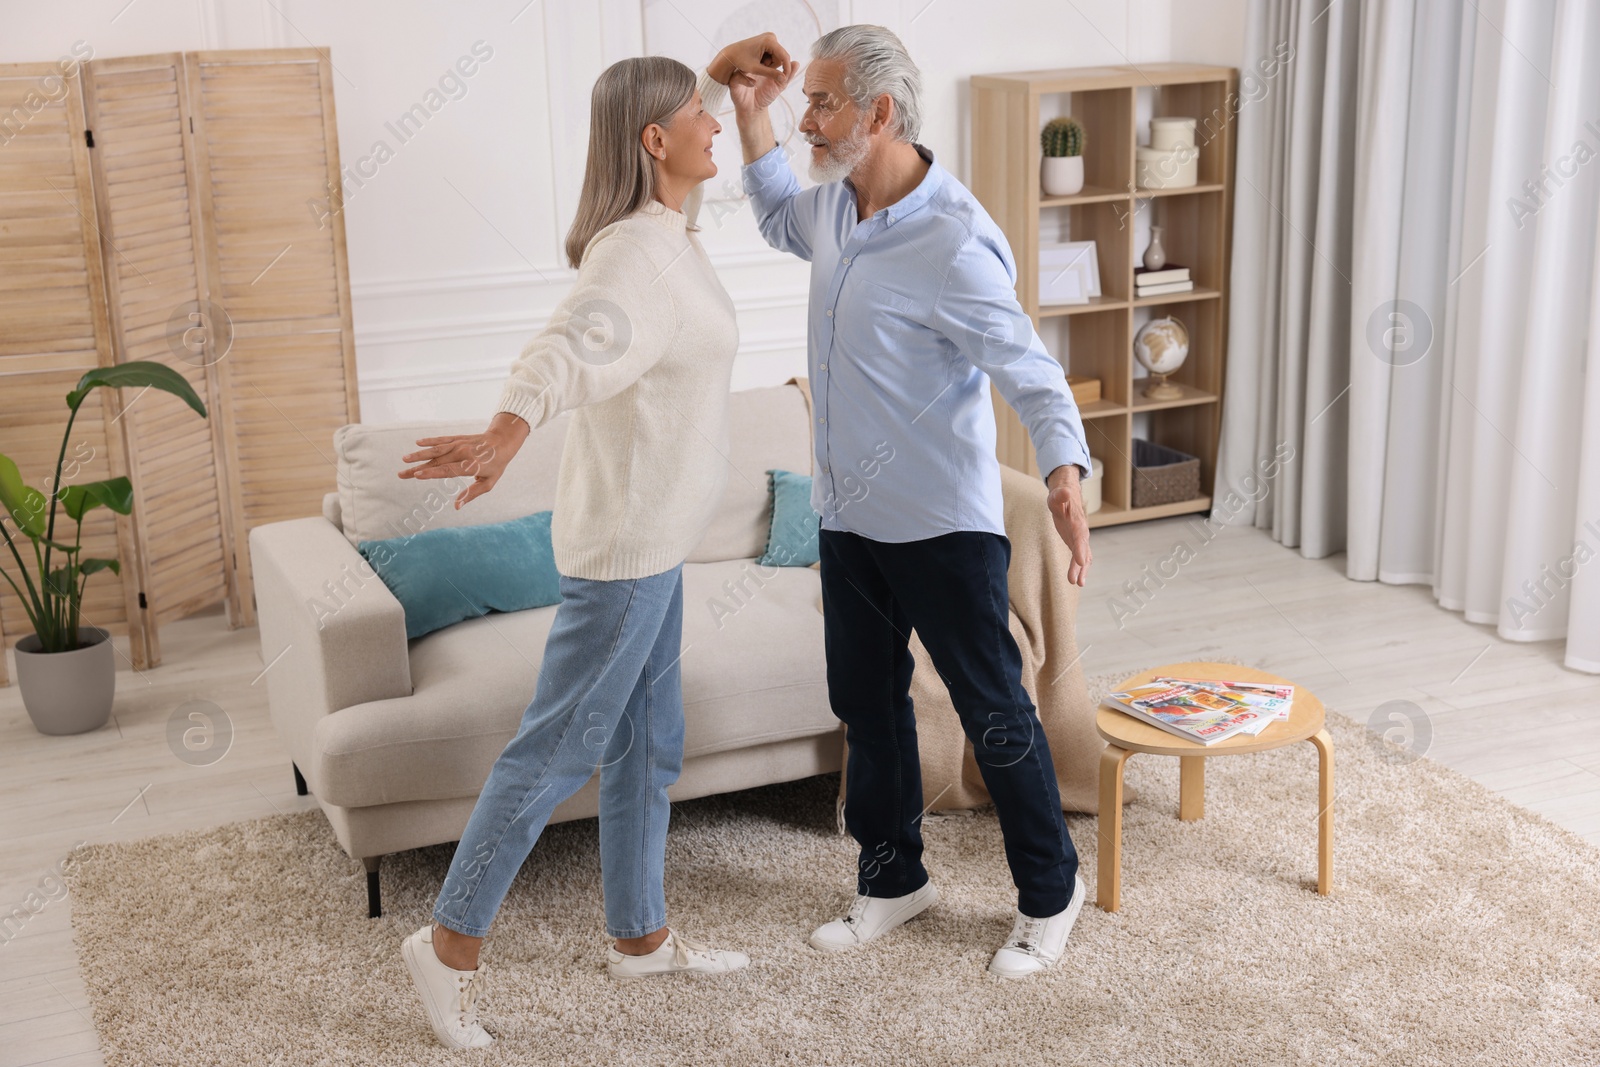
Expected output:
(913, 312)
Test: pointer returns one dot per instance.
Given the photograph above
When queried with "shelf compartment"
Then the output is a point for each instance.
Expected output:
(1191, 232)
(1193, 430)
(1207, 103)
(1106, 224)
(1201, 373)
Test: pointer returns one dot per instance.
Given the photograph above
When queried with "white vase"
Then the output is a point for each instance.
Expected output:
(1061, 175)
(1155, 253)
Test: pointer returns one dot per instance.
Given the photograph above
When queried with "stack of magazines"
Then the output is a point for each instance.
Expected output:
(1206, 710)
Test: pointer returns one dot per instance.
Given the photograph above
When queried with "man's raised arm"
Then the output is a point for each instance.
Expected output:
(749, 69)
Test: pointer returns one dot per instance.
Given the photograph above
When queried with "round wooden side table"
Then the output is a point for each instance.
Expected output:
(1124, 735)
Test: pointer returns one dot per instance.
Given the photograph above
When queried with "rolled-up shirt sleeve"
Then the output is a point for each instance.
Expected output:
(785, 213)
(977, 310)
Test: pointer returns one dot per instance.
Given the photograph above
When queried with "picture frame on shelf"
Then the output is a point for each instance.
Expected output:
(1069, 273)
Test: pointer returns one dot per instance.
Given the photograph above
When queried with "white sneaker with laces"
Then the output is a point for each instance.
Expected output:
(450, 996)
(676, 955)
(1035, 944)
(871, 917)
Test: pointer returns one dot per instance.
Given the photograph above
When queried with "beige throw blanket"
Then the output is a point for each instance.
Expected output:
(1044, 608)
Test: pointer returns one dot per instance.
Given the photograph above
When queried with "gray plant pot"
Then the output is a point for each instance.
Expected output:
(68, 692)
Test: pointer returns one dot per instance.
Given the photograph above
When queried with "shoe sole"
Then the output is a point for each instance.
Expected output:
(896, 921)
(1074, 908)
(409, 950)
(676, 973)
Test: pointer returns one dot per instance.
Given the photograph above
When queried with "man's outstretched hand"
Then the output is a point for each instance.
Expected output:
(1072, 522)
(755, 70)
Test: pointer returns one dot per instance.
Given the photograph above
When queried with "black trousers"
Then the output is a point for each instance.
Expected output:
(951, 590)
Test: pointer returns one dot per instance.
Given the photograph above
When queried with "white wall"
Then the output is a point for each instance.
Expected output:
(455, 241)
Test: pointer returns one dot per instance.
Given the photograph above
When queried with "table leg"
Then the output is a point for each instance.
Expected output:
(1109, 891)
(1191, 787)
(1324, 744)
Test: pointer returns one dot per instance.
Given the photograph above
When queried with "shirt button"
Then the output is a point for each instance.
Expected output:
(824, 470)
(847, 259)
(824, 366)
(822, 420)
(830, 313)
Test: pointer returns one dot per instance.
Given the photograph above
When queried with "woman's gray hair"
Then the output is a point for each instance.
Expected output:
(875, 64)
(620, 176)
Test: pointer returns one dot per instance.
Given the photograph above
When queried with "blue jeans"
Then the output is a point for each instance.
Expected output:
(609, 697)
(952, 591)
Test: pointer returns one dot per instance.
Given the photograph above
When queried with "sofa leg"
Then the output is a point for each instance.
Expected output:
(300, 789)
(374, 900)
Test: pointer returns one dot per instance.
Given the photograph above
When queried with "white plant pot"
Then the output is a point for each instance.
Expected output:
(1061, 175)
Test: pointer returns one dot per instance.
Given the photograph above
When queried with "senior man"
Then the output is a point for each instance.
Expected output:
(913, 312)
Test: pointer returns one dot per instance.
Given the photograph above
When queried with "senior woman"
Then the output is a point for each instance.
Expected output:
(643, 348)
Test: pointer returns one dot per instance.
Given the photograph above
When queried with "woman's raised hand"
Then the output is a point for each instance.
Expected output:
(480, 456)
(755, 70)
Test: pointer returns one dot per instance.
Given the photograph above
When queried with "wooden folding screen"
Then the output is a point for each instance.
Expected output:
(215, 195)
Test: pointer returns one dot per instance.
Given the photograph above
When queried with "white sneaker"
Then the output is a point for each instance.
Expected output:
(676, 955)
(451, 996)
(1035, 944)
(870, 917)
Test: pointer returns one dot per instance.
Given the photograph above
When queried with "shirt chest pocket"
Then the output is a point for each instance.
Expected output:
(877, 312)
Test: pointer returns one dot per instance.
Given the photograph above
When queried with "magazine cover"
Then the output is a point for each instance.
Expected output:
(1265, 696)
(1193, 712)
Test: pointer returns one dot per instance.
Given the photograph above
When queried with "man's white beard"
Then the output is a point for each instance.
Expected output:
(841, 157)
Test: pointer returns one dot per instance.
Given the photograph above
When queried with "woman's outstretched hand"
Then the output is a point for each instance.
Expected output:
(480, 456)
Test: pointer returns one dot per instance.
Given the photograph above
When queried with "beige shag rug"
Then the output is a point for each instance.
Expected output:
(1462, 930)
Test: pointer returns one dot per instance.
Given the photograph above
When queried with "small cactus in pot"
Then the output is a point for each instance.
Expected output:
(1061, 169)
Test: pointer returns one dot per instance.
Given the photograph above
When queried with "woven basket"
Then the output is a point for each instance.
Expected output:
(1163, 475)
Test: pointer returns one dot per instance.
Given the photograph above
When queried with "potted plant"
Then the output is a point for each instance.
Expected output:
(1061, 170)
(65, 670)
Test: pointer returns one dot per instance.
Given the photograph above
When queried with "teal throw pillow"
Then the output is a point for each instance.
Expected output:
(793, 540)
(446, 575)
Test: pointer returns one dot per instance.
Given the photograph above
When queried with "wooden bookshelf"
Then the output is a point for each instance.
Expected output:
(1096, 339)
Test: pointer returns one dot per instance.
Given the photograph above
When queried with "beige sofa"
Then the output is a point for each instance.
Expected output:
(395, 738)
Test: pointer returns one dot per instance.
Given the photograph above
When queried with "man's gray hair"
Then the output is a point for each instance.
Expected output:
(876, 63)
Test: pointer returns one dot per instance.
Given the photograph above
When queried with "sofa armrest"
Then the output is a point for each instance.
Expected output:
(332, 634)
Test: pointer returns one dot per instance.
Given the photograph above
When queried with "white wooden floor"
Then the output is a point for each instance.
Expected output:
(1479, 704)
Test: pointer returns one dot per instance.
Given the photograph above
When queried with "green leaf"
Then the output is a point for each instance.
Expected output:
(138, 374)
(114, 493)
(90, 566)
(26, 504)
(62, 580)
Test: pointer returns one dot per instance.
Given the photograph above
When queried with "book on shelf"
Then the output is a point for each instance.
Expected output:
(1163, 290)
(1172, 272)
(1193, 711)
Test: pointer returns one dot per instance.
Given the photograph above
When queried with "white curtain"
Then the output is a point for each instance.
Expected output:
(1416, 303)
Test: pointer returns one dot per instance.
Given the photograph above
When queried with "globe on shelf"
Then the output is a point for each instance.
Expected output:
(1161, 346)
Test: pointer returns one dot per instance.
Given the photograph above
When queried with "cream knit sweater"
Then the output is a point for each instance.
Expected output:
(642, 348)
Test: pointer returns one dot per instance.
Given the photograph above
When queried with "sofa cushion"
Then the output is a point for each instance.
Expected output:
(376, 504)
(444, 576)
(752, 671)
